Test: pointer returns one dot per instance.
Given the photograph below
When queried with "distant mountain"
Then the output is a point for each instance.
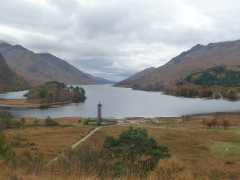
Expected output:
(100, 80)
(40, 68)
(134, 77)
(198, 58)
(9, 80)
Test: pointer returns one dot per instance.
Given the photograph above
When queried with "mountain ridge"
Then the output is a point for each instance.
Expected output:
(135, 76)
(40, 68)
(198, 58)
(100, 80)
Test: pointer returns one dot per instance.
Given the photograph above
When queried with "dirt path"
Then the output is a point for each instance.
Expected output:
(76, 144)
(81, 141)
(86, 137)
(119, 122)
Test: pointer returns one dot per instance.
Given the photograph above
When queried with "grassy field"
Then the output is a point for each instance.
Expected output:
(49, 140)
(206, 153)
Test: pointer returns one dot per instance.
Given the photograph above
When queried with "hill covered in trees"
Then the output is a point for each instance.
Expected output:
(219, 75)
(54, 91)
(219, 81)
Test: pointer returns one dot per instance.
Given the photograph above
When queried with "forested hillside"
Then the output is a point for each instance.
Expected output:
(219, 75)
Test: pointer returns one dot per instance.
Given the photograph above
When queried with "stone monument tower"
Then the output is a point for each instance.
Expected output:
(99, 113)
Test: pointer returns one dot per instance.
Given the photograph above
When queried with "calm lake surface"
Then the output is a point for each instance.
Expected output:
(124, 102)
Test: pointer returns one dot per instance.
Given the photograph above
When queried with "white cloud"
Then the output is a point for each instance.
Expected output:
(116, 38)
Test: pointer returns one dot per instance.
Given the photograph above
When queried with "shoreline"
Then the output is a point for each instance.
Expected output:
(23, 102)
(170, 94)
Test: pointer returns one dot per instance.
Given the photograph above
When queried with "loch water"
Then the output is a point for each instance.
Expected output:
(123, 102)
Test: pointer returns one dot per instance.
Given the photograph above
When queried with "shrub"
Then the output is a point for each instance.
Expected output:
(187, 92)
(217, 95)
(226, 124)
(23, 122)
(231, 94)
(136, 87)
(5, 120)
(85, 122)
(134, 152)
(214, 122)
(36, 122)
(207, 92)
(204, 122)
(5, 149)
(50, 122)
(170, 169)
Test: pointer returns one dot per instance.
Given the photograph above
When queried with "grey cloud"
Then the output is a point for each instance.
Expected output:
(100, 67)
(117, 38)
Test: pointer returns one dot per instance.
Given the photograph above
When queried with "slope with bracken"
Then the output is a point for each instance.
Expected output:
(196, 59)
(40, 68)
(9, 80)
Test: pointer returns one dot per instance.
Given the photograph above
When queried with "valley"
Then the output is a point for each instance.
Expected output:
(119, 90)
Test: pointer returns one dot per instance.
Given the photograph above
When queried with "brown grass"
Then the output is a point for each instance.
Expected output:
(36, 102)
(190, 143)
(171, 169)
(13, 102)
(49, 140)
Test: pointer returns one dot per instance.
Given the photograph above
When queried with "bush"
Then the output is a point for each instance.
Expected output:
(207, 92)
(36, 122)
(23, 122)
(187, 92)
(170, 169)
(5, 120)
(231, 94)
(137, 87)
(226, 124)
(134, 152)
(85, 122)
(50, 122)
(204, 122)
(217, 95)
(154, 87)
(5, 149)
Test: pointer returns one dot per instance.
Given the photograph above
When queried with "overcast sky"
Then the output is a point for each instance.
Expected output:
(116, 38)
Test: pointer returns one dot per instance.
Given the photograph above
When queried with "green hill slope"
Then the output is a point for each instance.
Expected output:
(219, 75)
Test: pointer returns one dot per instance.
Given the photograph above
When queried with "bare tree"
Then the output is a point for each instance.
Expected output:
(214, 122)
(204, 122)
(226, 124)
